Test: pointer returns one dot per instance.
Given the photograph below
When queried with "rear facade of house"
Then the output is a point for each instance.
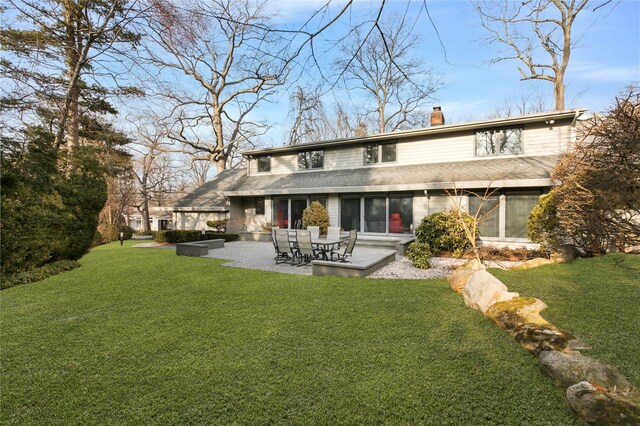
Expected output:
(383, 185)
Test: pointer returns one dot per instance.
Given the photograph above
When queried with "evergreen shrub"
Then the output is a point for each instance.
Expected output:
(316, 215)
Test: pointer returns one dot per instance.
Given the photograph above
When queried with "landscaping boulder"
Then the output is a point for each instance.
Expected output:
(568, 369)
(595, 406)
(513, 313)
(520, 316)
(474, 265)
(483, 290)
(532, 263)
(459, 277)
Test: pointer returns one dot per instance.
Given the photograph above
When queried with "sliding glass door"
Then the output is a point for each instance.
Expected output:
(281, 213)
(375, 215)
(297, 208)
(382, 214)
(350, 213)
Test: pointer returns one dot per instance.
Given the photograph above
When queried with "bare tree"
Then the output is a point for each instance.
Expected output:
(152, 167)
(523, 103)
(597, 196)
(309, 119)
(381, 66)
(537, 34)
(232, 62)
(469, 220)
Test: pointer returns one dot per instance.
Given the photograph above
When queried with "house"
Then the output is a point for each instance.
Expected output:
(383, 185)
(160, 218)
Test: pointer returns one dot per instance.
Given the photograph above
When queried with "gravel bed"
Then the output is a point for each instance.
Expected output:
(403, 268)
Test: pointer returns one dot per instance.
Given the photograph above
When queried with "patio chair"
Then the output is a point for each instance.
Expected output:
(333, 233)
(304, 247)
(282, 246)
(315, 231)
(348, 248)
(273, 240)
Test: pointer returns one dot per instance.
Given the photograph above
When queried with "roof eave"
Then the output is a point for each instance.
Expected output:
(499, 183)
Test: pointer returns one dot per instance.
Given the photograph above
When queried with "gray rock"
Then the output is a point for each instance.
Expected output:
(568, 369)
(596, 406)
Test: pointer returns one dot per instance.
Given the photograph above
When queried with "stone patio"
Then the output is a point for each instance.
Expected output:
(257, 255)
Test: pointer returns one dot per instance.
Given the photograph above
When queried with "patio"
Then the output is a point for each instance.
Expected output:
(258, 255)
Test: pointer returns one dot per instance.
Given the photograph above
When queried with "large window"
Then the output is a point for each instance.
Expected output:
(375, 153)
(518, 207)
(259, 204)
(310, 160)
(281, 213)
(287, 212)
(498, 142)
(488, 214)
(350, 213)
(375, 215)
(264, 163)
(297, 208)
(321, 200)
(400, 214)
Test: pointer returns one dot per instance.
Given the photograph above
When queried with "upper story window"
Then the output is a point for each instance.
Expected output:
(264, 163)
(498, 142)
(310, 160)
(379, 153)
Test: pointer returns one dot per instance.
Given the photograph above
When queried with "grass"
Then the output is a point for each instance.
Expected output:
(138, 336)
(596, 299)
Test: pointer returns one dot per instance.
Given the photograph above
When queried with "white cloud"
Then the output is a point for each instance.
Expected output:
(623, 74)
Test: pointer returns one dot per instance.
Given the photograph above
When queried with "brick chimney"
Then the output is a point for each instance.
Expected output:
(437, 118)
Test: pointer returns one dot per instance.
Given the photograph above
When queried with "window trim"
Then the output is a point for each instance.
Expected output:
(494, 130)
(258, 158)
(387, 196)
(259, 202)
(310, 152)
(379, 158)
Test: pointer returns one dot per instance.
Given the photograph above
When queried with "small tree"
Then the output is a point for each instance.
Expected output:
(442, 232)
(316, 215)
(544, 226)
(598, 182)
(470, 221)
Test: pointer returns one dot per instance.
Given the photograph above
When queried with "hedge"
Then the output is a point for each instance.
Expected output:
(38, 274)
(174, 237)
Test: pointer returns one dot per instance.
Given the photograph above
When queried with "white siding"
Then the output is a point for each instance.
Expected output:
(443, 202)
(538, 139)
(253, 221)
(420, 208)
(333, 208)
(196, 220)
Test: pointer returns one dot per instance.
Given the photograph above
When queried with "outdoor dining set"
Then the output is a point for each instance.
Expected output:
(302, 246)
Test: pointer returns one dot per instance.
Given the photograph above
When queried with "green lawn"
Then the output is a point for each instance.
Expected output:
(596, 299)
(139, 336)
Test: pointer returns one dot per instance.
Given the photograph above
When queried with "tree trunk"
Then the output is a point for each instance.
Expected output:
(558, 92)
(220, 159)
(146, 222)
(72, 133)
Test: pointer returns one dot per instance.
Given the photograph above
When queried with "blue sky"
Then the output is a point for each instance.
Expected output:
(607, 59)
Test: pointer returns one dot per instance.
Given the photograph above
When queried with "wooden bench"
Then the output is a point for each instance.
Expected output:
(198, 248)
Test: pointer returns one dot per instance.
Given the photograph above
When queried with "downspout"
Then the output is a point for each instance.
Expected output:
(573, 136)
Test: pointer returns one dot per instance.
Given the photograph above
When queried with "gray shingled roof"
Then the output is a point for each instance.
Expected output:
(519, 171)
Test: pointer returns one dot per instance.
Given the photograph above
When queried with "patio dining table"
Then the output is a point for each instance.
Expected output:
(325, 245)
